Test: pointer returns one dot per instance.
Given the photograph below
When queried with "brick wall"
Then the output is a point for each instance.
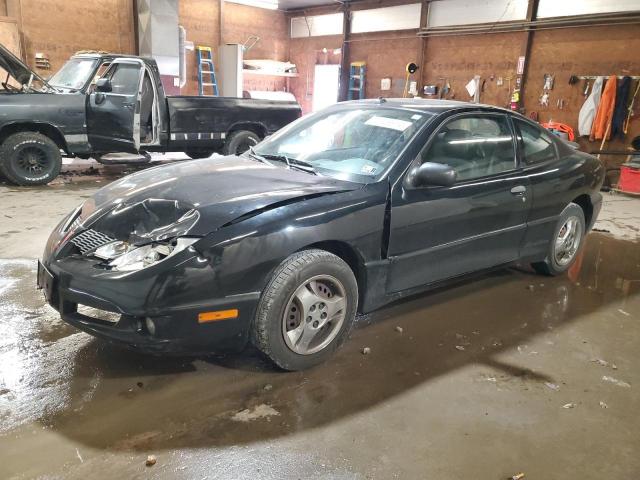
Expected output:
(59, 29)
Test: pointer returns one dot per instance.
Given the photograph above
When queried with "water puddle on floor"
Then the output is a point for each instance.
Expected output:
(59, 379)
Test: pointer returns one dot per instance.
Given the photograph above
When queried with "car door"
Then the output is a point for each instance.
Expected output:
(113, 112)
(441, 232)
(552, 178)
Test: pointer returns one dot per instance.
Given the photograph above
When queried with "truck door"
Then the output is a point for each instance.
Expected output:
(113, 108)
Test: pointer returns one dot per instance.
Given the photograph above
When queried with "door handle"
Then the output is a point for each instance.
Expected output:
(519, 190)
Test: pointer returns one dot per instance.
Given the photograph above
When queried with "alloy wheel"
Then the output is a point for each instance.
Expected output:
(568, 241)
(314, 314)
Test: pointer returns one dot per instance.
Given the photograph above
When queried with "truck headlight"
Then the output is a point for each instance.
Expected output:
(125, 257)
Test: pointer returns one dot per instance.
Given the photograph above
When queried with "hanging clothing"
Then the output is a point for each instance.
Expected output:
(621, 110)
(602, 122)
(589, 108)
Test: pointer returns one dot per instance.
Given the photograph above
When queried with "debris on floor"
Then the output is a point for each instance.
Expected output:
(601, 362)
(517, 476)
(569, 405)
(552, 386)
(151, 461)
(366, 351)
(615, 381)
(625, 313)
(261, 411)
(603, 405)
(460, 347)
(399, 329)
(268, 387)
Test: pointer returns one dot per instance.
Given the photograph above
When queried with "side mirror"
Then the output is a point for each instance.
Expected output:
(104, 85)
(432, 174)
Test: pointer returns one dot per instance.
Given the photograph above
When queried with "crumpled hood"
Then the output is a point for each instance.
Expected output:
(197, 197)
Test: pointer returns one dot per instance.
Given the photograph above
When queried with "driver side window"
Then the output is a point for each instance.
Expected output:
(125, 78)
(475, 146)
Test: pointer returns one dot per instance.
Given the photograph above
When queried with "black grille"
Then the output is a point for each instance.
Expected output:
(89, 240)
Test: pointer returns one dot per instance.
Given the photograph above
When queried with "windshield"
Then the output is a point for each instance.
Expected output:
(355, 144)
(74, 74)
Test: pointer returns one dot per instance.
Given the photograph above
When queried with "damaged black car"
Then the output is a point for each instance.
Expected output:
(340, 212)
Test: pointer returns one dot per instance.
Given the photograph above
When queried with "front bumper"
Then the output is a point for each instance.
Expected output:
(172, 300)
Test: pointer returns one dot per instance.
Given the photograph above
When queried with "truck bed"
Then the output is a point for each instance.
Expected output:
(204, 122)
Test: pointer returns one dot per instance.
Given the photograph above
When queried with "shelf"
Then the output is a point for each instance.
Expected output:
(268, 74)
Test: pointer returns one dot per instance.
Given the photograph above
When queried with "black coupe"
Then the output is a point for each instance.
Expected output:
(340, 212)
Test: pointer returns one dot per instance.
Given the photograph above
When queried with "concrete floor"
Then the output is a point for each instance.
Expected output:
(475, 385)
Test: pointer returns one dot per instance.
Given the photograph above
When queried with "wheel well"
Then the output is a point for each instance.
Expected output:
(584, 201)
(256, 128)
(351, 258)
(44, 128)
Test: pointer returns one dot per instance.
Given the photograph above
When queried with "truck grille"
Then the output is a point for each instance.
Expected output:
(89, 240)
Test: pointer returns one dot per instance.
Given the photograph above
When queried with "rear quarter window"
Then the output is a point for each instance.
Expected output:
(536, 144)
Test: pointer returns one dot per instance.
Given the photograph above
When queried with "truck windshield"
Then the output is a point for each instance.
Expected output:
(354, 144)
(74, 74)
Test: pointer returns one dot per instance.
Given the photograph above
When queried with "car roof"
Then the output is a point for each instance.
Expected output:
(425, 104)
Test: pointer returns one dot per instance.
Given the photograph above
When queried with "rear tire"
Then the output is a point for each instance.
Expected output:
(306, 311)
(30, 158)
(240, 141)
(196, 154)
(568, 237)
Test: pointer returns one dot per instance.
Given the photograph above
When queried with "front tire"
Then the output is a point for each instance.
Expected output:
(240, 141)
(30, 158)
(306, 311)
(568, 237)
(196, 154)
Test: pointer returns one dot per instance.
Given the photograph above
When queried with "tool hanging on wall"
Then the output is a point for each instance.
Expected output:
(411, 68)
(446, 88)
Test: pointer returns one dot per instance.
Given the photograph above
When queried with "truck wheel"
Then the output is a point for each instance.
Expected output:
(30, 158)
(240, 141)
(195, 154)
(567, 239)
(306, 311)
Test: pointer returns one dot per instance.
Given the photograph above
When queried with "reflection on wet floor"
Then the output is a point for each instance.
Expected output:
(108, 398)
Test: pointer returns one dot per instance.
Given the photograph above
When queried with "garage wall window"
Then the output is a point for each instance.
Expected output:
(566, 8)
(401, 17)
(467, 12)
(316, 25)
(537, 146)
(475, 146)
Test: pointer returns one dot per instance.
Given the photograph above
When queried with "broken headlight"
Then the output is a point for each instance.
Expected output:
(124, 257)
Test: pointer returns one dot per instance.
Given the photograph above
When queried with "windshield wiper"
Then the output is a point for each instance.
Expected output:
(252, 153)
(292, 162)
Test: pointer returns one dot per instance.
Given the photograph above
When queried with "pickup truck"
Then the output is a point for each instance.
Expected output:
(100, 103)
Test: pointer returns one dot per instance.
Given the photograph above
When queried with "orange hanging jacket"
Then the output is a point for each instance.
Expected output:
(605, 111)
